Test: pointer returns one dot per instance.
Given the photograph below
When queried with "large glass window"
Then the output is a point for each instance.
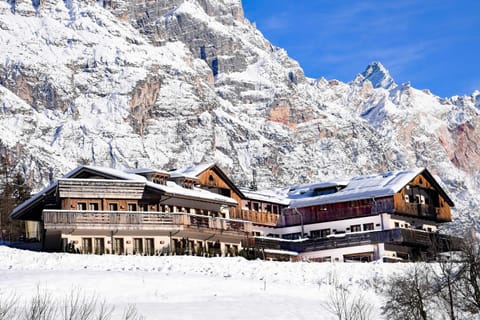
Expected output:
(323, 233)
(368, 226)
(355, 228)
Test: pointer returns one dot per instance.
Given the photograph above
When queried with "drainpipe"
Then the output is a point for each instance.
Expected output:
(111, 242)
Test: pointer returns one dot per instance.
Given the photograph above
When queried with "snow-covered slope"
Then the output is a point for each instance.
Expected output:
(183, 287)
(169, 83)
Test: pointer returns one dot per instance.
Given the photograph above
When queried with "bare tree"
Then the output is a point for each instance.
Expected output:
(409, 295)
(469, 282)
(445, 282)
(346, 305)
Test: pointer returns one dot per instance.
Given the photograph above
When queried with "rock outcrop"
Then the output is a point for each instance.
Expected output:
(169, 83)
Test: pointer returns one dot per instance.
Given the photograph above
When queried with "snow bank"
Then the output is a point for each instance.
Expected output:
(182, 287)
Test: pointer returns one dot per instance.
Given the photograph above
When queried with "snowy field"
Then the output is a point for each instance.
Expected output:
(182, 287)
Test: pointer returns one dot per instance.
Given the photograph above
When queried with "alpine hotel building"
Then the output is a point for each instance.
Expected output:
(393, 216)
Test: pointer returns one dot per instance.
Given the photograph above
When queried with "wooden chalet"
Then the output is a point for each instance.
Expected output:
(357, 219)
(101, 210)
(261, 208)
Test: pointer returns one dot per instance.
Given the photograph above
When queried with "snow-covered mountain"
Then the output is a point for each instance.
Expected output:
(170, 83)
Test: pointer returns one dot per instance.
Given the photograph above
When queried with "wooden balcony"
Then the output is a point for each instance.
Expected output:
(261, 218)
(133, 220)
(415, 209)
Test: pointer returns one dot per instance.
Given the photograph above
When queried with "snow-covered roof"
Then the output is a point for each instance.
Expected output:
(363, 187)
(191, 171)
(307, 190)
(146, 170)
(265, 196)
(171, 187)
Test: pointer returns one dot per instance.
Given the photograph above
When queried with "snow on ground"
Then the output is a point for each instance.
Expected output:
(183, 287)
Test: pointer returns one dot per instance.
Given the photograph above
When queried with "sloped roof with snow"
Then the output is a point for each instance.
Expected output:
(191, 171)
(266, 196)
(146, 170)
(170, 188)
(369, 186)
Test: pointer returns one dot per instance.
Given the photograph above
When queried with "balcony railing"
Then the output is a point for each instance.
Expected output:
(408, 237)
(138, 220)
(262, 218)
(416, 209)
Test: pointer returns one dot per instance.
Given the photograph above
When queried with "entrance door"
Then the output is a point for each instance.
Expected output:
(149, 247)
(118, 246)
(99, 246)
(87, 245)
(137, 246)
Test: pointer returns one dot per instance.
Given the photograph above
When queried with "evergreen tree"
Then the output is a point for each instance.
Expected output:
(13, 191)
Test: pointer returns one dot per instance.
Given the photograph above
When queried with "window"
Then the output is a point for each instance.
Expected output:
(81, 206)
(323, 233)
(132, 206)
(355, 228)
(143, 207)
(113, 206)
(292, 236)
(397, 225)
(93, 206)
(211, 181)
(256, 206)
(368, 226)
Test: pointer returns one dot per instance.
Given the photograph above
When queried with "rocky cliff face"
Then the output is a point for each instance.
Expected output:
(169, 83)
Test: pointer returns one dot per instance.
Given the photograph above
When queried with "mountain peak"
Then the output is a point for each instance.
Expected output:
(379, 76)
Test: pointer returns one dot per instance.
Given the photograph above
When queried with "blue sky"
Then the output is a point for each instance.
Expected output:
(432, 44)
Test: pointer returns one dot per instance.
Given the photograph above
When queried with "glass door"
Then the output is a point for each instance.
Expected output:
(118, 246)
(99, 246)
(137, 246)
(86, 245)
(149, 246)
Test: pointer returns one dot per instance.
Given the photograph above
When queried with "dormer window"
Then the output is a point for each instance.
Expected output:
(158, 179)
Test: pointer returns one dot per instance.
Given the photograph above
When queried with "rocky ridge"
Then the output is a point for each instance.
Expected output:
(170, 83)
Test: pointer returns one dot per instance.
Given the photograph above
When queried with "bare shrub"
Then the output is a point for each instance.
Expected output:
(8, 306)
(79, 306)
(131, 313)
(41, 307)
(347, 305)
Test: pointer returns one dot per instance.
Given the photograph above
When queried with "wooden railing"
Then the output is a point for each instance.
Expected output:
(416, 209)
(262, 218)
(133, 219)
